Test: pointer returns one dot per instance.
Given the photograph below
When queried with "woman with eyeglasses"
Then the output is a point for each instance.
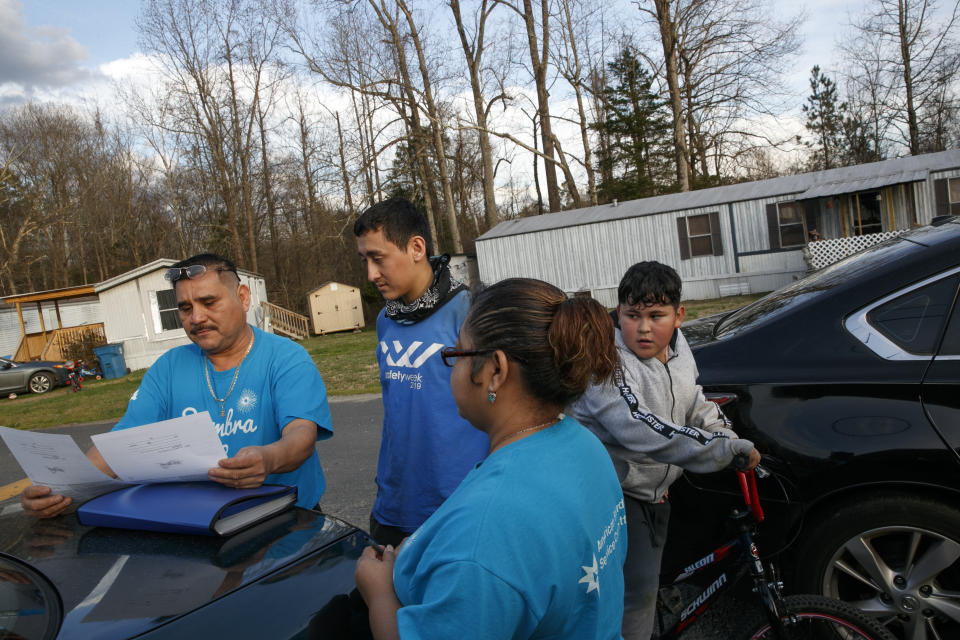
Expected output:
(532, 542)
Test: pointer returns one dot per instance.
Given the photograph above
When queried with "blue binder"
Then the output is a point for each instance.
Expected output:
(203, 508)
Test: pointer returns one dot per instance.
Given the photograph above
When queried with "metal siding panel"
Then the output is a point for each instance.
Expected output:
(122, 316)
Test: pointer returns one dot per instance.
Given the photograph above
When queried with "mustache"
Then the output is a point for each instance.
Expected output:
(202, 327)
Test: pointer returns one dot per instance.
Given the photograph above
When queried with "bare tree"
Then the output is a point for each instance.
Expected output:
(347, 60)
(473, 50)
(217, 57)
(723, 63)
(539, 65)
(576, 18)
(667, 21)
(919, 57)
(433, 112)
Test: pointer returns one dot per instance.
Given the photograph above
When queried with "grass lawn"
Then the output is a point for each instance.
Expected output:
(703, 308)
(346, 361)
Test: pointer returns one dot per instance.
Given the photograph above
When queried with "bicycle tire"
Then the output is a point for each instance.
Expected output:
(812, 617)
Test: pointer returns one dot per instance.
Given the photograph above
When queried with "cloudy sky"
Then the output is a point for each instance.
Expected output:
(62, 50)
(66, 50)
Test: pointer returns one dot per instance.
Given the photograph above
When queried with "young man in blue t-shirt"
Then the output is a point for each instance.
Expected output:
(426, 447)
(263, 392)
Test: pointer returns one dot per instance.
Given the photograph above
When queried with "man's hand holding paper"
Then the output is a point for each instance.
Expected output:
(177, 450)
(169, 451)
(251, 466)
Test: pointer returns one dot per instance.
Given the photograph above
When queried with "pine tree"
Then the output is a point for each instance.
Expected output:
(637, 161)
(825, 121)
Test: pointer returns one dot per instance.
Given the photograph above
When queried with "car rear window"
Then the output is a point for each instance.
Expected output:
(914, 321)
(791, 296)
(951, 339)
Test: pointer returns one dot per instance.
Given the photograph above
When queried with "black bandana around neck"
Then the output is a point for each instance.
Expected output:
(444, 287)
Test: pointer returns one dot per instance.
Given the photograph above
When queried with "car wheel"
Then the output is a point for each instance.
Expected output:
(41, 382)
(897, 557)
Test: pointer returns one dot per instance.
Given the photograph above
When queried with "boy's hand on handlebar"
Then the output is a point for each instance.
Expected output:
(752, 460)
(747, 462)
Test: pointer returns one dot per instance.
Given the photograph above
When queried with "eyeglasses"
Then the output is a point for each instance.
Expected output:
(450, 354)
(193, 271)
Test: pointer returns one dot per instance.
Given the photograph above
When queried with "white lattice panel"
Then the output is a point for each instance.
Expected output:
(826, 252)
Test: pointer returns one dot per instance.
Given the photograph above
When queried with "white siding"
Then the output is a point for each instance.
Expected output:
(130, 317)
(594, 257)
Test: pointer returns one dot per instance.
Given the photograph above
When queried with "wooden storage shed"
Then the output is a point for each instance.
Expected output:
(335, 306)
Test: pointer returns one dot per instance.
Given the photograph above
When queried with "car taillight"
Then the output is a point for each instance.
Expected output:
(722, 399)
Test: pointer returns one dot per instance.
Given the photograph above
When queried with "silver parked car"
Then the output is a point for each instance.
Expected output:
(36, 377)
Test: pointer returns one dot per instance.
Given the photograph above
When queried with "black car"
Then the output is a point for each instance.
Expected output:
(288, 577)
(850, 380)
(36, 377)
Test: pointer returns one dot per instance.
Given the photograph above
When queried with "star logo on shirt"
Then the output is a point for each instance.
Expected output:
(247, 401)
(590, 576)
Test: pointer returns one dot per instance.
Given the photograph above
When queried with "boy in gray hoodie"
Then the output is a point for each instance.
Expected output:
(655, 422)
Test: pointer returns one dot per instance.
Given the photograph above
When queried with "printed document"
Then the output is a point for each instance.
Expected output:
(55, 460)
(176, 450)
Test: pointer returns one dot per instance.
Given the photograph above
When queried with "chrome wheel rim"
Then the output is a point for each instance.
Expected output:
(40, 384)
(907, 577)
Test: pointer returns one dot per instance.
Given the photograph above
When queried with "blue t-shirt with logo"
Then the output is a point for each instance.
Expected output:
(426, 447)
(277, 383)
(530, 545)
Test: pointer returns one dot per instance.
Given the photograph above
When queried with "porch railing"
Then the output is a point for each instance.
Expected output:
(54, 345)
(826, 252)
(62, 339)
(286, 322)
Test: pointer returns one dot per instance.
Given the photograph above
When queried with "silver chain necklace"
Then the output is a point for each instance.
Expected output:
(236, 374)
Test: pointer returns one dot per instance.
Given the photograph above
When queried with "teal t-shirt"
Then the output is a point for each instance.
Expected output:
(530, 545)
(277, 383)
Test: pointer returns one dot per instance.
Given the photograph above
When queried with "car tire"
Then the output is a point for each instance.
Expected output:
(41, 382)
(897, 557)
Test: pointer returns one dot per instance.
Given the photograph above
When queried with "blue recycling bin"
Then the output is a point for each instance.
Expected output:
(111, 360)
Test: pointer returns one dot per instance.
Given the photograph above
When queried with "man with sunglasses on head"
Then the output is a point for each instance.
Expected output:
(262, 391)
(426, 447)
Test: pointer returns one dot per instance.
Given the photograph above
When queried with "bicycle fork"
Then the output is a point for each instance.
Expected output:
(767, 585)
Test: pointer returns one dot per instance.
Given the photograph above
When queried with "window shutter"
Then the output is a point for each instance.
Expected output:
(684, 241)
(773, 225)
(941, 197)
(716, 240)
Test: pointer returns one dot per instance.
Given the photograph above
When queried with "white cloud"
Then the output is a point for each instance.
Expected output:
(34, 58)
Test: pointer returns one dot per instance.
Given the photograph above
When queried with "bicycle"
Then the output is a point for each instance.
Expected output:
(75, 377)
(795, 617)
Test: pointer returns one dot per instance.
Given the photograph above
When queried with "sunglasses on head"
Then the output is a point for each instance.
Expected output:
(193, 271)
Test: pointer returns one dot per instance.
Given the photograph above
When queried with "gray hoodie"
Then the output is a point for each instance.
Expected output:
(655, 421)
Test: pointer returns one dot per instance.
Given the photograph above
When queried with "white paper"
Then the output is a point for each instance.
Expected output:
(54, 460)
(174, 450)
